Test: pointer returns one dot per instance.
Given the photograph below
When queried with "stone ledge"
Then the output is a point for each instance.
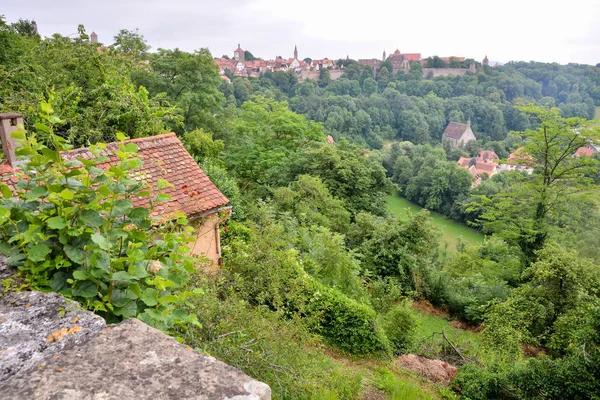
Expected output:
(130, 360)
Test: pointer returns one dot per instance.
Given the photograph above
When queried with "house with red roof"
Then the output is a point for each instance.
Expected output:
(487, 156)
(586, 151)
(163, 157)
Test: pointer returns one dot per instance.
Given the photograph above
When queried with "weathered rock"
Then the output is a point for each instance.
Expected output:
(6, 271)
(36, 326)
(132, 360)
(437, 371)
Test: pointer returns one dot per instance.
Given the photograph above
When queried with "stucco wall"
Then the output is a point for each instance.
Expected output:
(208, 240)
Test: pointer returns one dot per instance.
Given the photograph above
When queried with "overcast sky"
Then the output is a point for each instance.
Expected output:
(504, 30)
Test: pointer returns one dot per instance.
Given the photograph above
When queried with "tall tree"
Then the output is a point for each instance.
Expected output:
(521, 214)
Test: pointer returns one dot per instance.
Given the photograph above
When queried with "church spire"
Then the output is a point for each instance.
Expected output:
(295, 52)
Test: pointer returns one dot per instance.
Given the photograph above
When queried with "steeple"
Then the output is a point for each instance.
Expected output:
(383, 59)
(295, 52)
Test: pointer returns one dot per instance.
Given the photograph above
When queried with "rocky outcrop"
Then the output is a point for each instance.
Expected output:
(52, 349)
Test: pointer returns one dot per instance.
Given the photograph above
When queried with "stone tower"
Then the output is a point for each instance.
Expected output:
(94, 37)
(486, 61)
(238, 54)
(383, 59)
(295, 52)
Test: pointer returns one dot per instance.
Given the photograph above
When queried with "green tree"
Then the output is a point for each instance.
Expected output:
(369, 86)
(190, 81)
(521, 214)
(132, 43)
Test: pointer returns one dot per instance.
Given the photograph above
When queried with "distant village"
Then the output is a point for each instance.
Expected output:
(239, 66)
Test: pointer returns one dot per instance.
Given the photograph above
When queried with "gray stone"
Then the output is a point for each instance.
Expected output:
(6, 271)
(36, 326)
(132, 360)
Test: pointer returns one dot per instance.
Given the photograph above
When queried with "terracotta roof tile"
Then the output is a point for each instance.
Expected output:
(163, 156)
(584, 151)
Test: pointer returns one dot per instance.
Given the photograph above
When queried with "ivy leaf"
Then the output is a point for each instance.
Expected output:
(80, 275)
(4, 215)
(155, 315)
(58, 281)
(168, 299)
(121, 276)
(161, 198)
(91, 218)
(74, 253)
(150, 297)
(6, 192)
(56, 223)
(131, 148)
(100, 240)
(85, 289)
(133, 291)
(37, 192)
(67, 194)
(129, 310)
(38, 252)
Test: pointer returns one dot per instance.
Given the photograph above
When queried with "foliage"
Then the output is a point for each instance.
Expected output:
(72, 227)
(190, 81)
(267, 272)
(569, 378)
(521, 214)
(399, 325)
(559, 288)
(350, 175)
(267, 133)
(89, 88)
(265, 345)
(311, 203)
(390, 247)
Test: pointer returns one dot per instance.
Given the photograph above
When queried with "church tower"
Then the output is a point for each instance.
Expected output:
(94, 37)
(238, 54)
(384, 56)
(486, 61)
(295, 52)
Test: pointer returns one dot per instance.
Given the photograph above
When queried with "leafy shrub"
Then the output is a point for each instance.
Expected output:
(576, 377)
(266, 272)
(72, 228)
(400, 325)
(265, 345)
(384, 292)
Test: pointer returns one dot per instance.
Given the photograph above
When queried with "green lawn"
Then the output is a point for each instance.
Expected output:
(451, 230)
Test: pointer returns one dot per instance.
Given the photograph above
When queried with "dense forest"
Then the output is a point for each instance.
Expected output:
(314, 296)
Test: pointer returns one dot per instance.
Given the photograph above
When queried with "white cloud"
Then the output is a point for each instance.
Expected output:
(508, 30)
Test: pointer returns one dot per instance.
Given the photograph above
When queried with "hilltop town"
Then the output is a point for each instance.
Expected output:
(308, 68)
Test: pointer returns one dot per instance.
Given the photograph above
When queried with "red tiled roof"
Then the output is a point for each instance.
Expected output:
(455, 130)
(584, 151)
(490, 168)
(487, 155)
(519, 155)
(412, 56)
(163, 156)
(463, 162)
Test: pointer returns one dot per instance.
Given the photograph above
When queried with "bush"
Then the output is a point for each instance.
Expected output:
(400, 325)
(569, 378)
(266, 272)
(266, 346)
(72, 228)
